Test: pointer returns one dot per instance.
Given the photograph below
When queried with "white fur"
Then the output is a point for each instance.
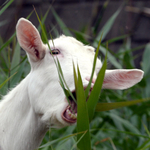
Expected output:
(37, 102)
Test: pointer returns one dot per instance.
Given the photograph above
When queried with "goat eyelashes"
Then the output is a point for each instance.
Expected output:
(55, 51)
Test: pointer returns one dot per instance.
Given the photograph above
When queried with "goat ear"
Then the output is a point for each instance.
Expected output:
(30, 40)
(122, 78)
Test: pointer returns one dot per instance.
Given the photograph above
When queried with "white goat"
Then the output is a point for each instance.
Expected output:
(38, 102)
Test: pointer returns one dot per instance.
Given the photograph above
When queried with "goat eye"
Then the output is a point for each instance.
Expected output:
(55, 52)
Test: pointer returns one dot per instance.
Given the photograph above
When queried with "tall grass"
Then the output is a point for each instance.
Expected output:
(118, 129)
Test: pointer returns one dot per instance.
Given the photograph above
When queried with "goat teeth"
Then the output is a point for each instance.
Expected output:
(68, 111)
(73, 116)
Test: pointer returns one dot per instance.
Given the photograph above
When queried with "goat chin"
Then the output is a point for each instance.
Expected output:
(38, 102)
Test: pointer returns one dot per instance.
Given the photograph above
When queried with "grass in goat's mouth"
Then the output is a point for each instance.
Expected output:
(70, 113)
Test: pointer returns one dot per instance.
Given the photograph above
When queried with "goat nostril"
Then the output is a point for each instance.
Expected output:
(88, 79)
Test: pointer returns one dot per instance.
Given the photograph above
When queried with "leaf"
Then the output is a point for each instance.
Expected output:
(25, 58)
(126, 61)
(63, 80)
(8, 42)
(79, 140)
(43, 20)
(143, 146)
(115, 39)
(61, 24)
(93, 69)
(82, 119)
(8, 3)
(1, 85)
(128, 54)
(17, 77)
(111, 58)
(125, 132)
(109, 106)
(43, 31)
(146, 129)
(95, 93)
(145, 60)
(106, 28)
(60, 139)
(124, 122)
(2, 73)
(15, 58)
(75, 77)
(146, 147)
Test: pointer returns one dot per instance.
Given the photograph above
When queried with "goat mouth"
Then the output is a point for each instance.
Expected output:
(70, 112)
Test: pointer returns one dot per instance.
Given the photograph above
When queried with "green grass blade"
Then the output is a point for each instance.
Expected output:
(12, 37)
(61, 24)
(78, 140)
(111, 58)
(30, 14)
(95, 93)
(108, 25)
(143, 146)
(16, 57)
(17, 77)
(146, 129)
(60, 139)
(63, 79)
(93, 69)
(8, 42)
(80, 35)
(1, 85)
(146, 147)
(109, 106)
(125, 132)
(146, 56)
(75, 77)
(126, 123)
(6, 6)
(100, 17)
(43, 19)
(43, 31)
(115, 39)
(82, 118)
(25, 58)
(66, 92)
(2, 73)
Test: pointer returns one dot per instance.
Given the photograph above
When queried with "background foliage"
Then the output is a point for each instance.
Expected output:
(126, 128)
